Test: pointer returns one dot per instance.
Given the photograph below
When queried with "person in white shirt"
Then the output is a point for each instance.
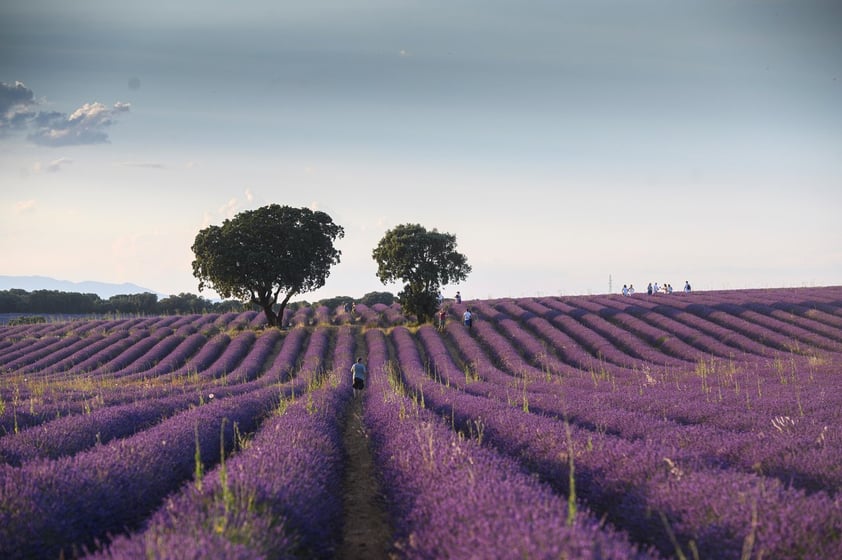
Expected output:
(468, 318)
(358, 372)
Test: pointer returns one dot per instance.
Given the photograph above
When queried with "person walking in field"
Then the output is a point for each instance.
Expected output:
(458, 297)
(442, 318)
(468, 318)
(687, 287)
(358, 373)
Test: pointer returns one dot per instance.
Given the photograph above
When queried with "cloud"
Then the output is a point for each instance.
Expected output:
(229, 210)
(23, 206)
(56, 164)
(146, 164)
(85, 125)
(15, 101)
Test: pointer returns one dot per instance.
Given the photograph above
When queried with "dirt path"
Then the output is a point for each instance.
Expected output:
(367, 533)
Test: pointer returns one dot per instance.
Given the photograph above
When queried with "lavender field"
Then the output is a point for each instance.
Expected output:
(702, 425)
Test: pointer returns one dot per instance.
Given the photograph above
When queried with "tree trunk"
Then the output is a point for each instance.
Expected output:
(272, 319)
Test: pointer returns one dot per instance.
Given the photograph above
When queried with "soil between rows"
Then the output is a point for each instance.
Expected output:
(367, 534)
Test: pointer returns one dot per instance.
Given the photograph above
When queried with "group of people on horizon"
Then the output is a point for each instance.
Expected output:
(654, 288)
(441, 317)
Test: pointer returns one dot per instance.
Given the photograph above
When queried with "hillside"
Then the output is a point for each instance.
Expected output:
(580, 427)
(103, 289)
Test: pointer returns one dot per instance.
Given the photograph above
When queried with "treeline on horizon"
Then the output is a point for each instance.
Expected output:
(58, 302)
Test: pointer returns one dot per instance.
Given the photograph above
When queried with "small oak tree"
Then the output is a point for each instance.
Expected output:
(259, 254)
(424, 260)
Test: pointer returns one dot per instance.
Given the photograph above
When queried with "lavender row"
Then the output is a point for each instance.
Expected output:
(93, 357)
(251, 367)
(596, 344)
(819, 313)
(624, 480)
(32, 352)
(733, 317)
(71, 434)
(787, 445)
(198, 360)
(709, 338)
(676, 340)
(805, 329)
(635, 338)
(168, 359)
(792, 329)
(508, 352)
(313, 360)
(54, 507)
(532, 314)
(75, 356)
(285, 482)
(783, 309)
(623, 342)
(128, 357)
(276, 498)
(451, 498)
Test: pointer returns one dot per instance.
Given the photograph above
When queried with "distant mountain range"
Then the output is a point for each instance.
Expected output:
(103, 289)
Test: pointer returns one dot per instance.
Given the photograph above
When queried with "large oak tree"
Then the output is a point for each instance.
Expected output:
(424, 260)
(259, 254)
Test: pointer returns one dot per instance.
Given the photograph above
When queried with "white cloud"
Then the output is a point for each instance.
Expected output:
(55, 165)
(229, 209)
(146, 164)
(23, 206)
(85, 125)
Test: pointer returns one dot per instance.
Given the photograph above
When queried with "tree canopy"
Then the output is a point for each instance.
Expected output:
(424, 260)
(259, 254)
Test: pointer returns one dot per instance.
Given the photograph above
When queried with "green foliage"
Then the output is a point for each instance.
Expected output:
(145, 303)
(386, 298)
(335, 302)
(424, 261)
(58, 303)
(259, 254)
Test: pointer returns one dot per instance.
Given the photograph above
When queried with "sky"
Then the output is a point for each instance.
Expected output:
(570, 146)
